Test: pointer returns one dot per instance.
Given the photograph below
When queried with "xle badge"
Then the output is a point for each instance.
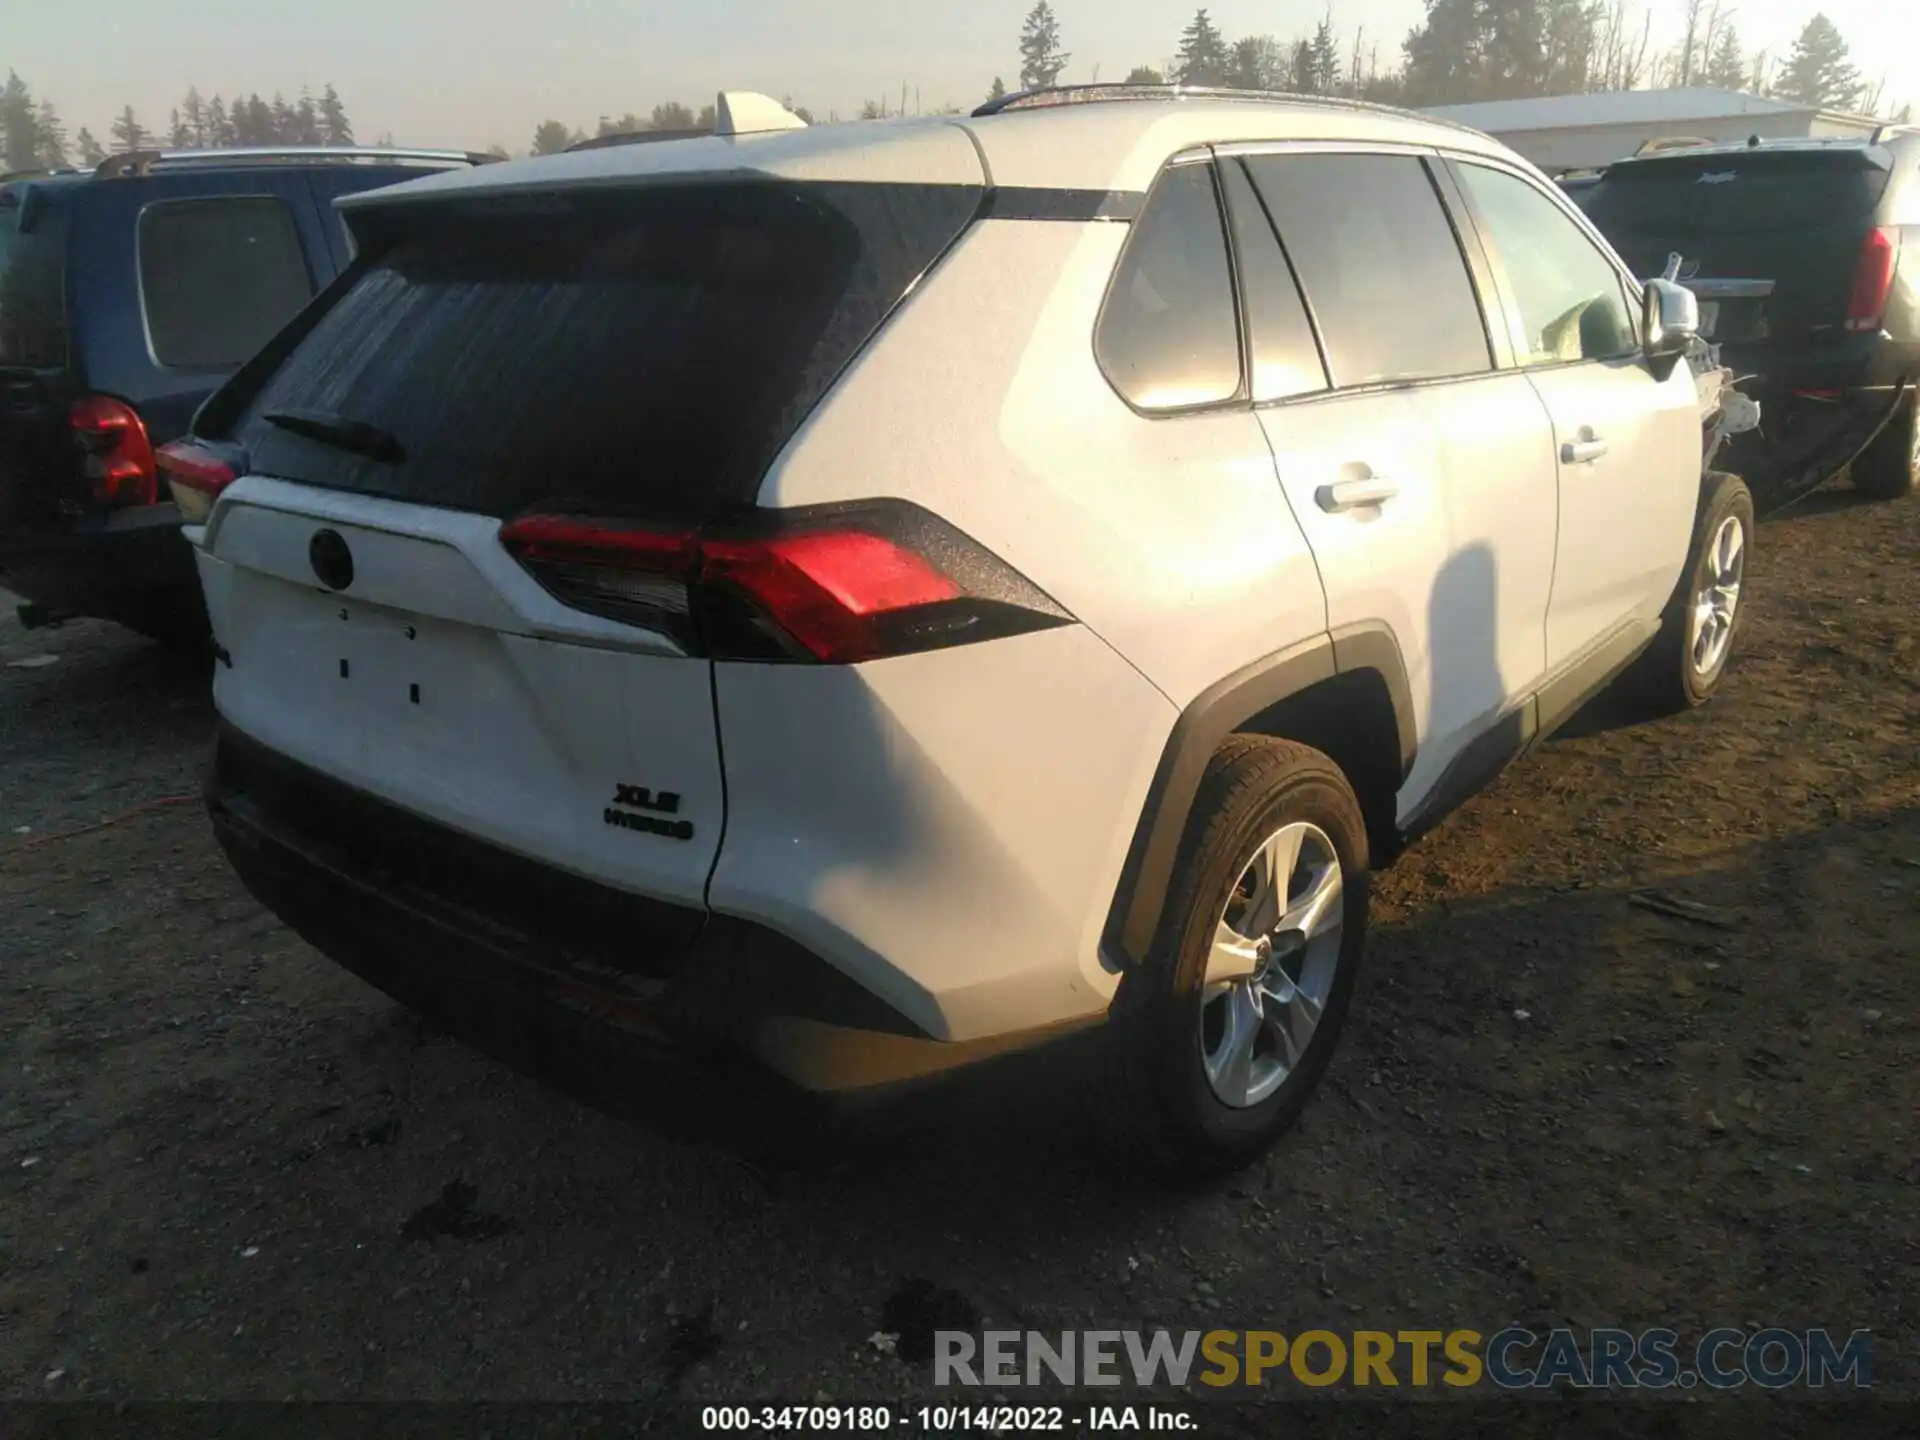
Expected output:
(639, 797)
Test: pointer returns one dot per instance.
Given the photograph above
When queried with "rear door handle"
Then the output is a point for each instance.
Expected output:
(1352, 494)
(1582, 452)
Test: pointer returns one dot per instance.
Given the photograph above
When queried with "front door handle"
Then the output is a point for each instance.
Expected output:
(1352, 494)
(1584, 451)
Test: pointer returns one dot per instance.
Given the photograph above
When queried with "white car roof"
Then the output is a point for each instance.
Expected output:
(1110, 145)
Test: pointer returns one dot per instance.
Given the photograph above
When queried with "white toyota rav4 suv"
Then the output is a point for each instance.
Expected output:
(880, 595)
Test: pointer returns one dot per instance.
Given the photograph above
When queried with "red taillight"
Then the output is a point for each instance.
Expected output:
(830, 590)
(835, 588)
(1872, 282)
(195, 475)
(119, 457)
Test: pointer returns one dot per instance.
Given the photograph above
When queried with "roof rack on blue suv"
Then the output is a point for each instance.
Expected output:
(147, 162)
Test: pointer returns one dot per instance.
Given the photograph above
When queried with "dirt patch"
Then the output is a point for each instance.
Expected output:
(1554, 1105)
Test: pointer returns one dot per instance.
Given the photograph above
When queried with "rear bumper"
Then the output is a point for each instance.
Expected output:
(128, 566)
(1818, 412)
(452, 928)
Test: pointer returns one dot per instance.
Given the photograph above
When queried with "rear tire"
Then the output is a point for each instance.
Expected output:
(1172, 1051)
(1889, 468)
(1703, 620)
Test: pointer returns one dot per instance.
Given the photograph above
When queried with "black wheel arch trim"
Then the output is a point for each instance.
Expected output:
(1217, 712)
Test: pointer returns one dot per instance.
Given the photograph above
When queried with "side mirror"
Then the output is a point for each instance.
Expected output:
(1670, 319)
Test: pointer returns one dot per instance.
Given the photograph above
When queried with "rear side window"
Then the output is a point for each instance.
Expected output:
(1286, 357)
(1167, 335)
(1687, 197)
(218, 278)
(1569, 298)
(1380, 264)
(643, 352)
(33, 300)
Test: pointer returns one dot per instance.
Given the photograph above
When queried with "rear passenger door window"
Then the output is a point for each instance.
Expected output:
(1567, 301)
(1284, 352)
(219, 277)
(1380, 265)
(1168, 337)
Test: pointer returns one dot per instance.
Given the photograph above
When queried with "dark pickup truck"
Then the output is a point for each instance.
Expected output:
(1805, 255)
(128, 294)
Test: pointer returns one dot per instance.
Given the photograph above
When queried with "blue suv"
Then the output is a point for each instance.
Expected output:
(128, 294)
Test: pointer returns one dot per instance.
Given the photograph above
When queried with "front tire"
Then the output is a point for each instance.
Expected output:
(1703, 620)
(1889, 468)
(1221, 1037)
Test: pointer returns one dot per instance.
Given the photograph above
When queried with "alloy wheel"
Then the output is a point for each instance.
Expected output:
(1717, 597)
(1270, 971)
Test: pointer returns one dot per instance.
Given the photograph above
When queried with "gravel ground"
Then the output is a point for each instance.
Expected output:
(228, 1170)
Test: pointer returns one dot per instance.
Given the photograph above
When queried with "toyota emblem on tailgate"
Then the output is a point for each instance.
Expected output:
(332, 561)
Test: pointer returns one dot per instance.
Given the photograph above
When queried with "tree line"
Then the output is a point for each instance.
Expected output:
(1470, 50)
(33, 136)
(1461, 51)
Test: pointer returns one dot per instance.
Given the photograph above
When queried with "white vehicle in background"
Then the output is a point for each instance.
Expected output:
(882, 595)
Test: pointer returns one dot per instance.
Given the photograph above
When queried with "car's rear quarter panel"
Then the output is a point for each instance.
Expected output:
(952, 827)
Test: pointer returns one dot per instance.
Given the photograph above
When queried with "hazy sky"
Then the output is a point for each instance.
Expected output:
(479, 72)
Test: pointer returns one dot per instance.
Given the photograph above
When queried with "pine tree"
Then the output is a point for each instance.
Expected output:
(240, 122)
(1326, 58)
(179, 136)
(997, 91)
(262, 123)
(1257, 63)
(335, 129)
(1570, 35)
(1203, 53)
(551, 137)
(306, 120)
(88, 149)
(1300, 68)
(1511, 49)
(1444, 54)
(1818, 72)
(1143, 75)
(19, 126)
(219, 124)
(1041, 58)
(128, 133)
(671, 116)
(1726, 67)
(283, 127)
(52, 138)
(193, 116)
(704, 121)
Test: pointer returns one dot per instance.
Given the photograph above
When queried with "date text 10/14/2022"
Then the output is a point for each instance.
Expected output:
(945, 1419)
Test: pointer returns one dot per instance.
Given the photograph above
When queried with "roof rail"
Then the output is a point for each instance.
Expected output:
(144, 162)
(43, 173)
(1049, 96)
(634, 137)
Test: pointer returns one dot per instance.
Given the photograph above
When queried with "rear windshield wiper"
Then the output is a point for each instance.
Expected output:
(356, 436)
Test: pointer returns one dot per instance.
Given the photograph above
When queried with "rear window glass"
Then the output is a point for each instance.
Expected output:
(33, 301)
(218, 278)
(1167, 335)
(1734, 194)
(646, 353)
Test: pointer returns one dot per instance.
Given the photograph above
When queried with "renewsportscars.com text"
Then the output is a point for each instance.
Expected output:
(1511, 1359)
